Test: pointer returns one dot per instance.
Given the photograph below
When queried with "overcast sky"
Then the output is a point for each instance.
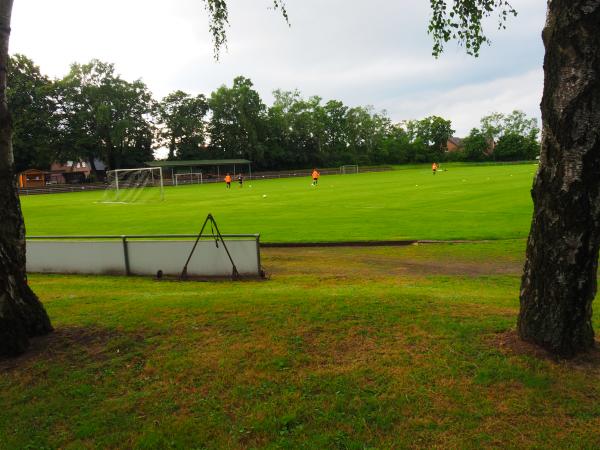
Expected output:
(367, 52)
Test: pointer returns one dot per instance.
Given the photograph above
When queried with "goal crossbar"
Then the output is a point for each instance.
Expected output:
(349, 168)
(155, 176)
(191, 176)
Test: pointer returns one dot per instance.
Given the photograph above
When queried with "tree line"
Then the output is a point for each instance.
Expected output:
(92, 114)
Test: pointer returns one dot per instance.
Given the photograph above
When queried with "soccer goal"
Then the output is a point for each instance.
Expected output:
(134, 185)
(348, 169)
(188, 178)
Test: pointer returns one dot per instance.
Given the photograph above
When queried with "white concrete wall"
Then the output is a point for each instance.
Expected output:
(145, 257)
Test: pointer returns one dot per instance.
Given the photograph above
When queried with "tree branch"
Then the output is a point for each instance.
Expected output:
(463, 22)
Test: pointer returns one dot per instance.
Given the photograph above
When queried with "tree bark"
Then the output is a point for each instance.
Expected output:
(559, 279)
(93, 170)
(171, 149)
(21, 313)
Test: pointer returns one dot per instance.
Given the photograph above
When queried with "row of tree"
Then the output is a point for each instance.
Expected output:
(500, 137)
(93, 114)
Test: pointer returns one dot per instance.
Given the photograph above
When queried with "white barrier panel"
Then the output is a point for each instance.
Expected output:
(75, 257)
(147, 257)
(143, 257)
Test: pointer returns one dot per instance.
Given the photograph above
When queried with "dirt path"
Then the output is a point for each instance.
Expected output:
(384, 261)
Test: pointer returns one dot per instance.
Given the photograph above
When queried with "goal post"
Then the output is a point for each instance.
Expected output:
(144, 184)
(348, 169)
(188, 178)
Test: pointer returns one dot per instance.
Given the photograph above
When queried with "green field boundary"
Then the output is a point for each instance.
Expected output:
(383, 243)
(456, 164)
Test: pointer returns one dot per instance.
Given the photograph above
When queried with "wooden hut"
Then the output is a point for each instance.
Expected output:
(32, 178)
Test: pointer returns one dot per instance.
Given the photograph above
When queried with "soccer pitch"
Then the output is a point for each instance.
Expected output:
(464, 202)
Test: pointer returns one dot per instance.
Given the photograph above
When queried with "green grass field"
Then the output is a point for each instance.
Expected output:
(466, 202)
(348, 348)
(343, 348)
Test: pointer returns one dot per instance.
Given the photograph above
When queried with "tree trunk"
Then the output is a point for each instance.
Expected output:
(559, 280)
(172, 146)
(93, 170)
(21, 313)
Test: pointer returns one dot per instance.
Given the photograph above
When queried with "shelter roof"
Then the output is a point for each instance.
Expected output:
(197, 162)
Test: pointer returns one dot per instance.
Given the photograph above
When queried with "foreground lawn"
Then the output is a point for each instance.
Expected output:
(465, 202)
(341, 348)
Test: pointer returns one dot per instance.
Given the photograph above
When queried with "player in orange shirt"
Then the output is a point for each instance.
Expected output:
(315, 177)
(228, 181)
(434, 168)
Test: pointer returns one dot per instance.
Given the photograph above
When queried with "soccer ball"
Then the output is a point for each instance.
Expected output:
(264, 195)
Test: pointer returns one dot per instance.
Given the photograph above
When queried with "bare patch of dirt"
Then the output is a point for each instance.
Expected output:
(66, 343)
(510, 343)
(368, 262)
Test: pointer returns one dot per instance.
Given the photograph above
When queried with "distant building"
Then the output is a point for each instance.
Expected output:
(69, 172)
(454, 144)
(73, 172)
(32, 178)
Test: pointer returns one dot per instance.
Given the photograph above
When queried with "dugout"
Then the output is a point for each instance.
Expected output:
(210, 168)
(32, 178)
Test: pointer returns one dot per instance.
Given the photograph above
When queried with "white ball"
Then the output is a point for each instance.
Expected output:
(264, 195)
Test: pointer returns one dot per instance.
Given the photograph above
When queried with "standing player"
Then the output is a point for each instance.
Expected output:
(241, 180)
(434, 168)
(228, 181)
(315, 177)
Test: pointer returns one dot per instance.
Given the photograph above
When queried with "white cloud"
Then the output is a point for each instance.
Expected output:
(374, 52)
(465, 105)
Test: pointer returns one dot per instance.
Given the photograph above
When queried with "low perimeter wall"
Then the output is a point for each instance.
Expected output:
(123, 255)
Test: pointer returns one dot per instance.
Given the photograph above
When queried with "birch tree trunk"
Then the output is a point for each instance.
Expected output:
(21, 313)
(559, 280)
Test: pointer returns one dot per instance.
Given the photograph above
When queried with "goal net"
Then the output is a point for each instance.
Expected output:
(188, 178)
(134, 185)
(348, 169)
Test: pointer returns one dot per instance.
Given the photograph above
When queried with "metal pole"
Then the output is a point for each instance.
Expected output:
(126, 255)
(234, 273)
(260, 271)
(183, 275)
(162, 187)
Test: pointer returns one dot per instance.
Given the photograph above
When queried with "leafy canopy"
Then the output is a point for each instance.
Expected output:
(463, 22)
(460, 20)
(219, 21)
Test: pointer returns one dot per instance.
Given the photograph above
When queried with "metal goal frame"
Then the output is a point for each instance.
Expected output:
(198, 176)
(152, 170)
(349, 169)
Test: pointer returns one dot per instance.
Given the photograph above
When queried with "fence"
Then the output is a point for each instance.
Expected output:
(209, 178)
(307, 173)
(63, 188)
(143, 255)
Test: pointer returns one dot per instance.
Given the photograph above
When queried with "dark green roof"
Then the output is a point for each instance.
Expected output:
(198, 162)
